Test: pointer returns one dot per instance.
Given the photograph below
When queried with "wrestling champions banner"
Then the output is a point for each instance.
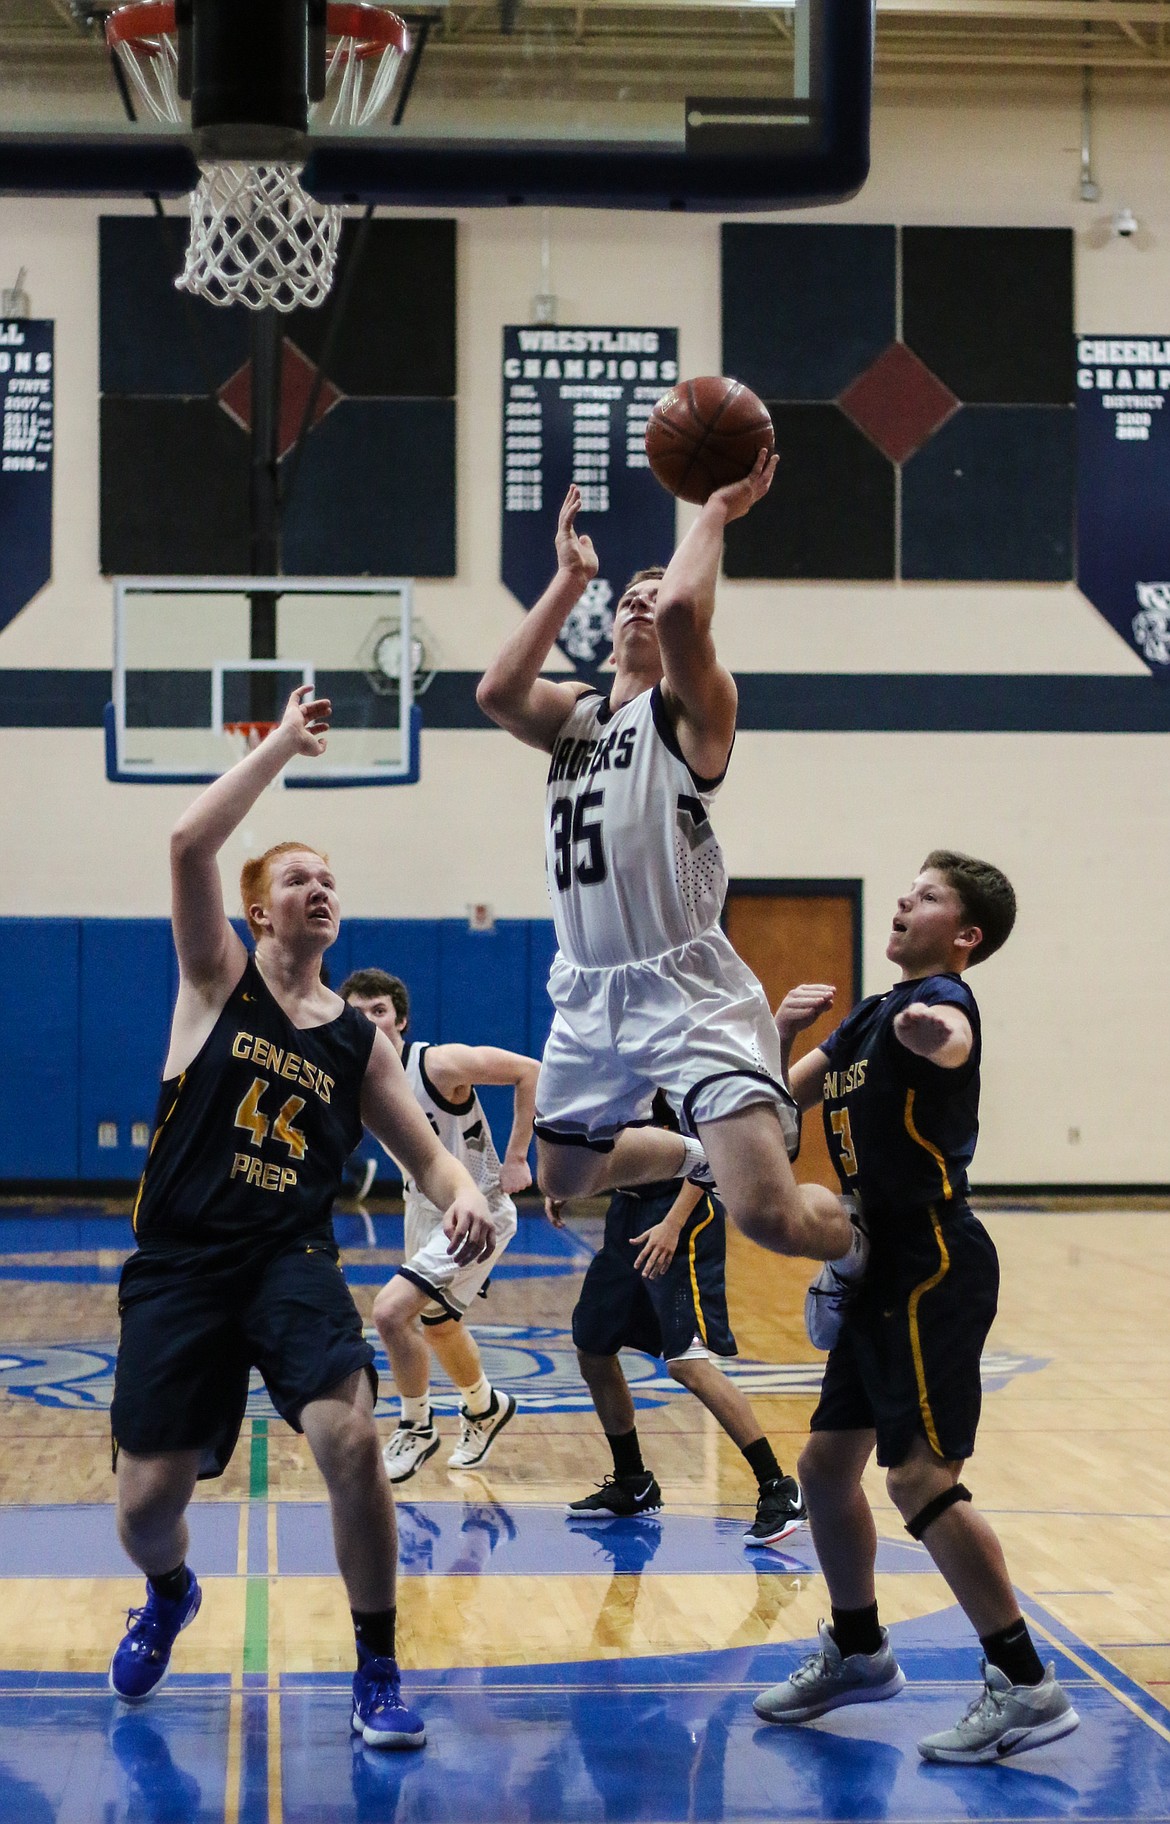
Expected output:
(576, 403)
(1123, 488)
(26, 461)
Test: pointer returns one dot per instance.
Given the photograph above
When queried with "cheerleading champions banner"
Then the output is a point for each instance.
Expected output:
(575, 405)
(1123, 488)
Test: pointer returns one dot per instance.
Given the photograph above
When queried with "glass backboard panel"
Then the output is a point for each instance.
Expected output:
(690, 103)
(189, 685)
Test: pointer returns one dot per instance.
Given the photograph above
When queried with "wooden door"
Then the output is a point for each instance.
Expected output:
(795, 931)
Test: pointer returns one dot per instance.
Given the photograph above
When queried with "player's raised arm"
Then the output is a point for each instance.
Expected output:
(940, 1032)
(393, 1116)
(798, 1010)
(458, 1069)
(699, 690)
(210, 954)
(512, 691)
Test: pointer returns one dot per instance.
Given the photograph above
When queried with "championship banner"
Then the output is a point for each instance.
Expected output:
(1123, 488)
(576, 403)
(26, 461)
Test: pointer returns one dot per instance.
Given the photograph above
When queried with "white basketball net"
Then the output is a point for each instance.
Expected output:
(258, 238)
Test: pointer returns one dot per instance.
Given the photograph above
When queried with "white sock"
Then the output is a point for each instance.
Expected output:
(695, 1156)
(852, 1263)
(417, 1412)
(477, 1399)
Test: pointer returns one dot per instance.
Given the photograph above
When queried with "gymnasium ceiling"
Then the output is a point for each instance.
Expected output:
(918, 40)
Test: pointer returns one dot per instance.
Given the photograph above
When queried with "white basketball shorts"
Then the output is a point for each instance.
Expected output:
(693, 1022)
(430, 1267)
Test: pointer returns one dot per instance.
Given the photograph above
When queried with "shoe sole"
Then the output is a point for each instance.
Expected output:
(404, 1475)
(784, 1532)
(608, 1513)
(141, 1697)
(857, 1694)
(454, 1461)
(373, 1739)
(1034, 1737)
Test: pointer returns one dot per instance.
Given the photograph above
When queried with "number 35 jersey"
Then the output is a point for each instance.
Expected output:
(250, 1140)
(634, 867)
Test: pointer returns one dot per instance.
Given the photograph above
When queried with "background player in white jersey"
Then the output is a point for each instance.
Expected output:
(647, 988)
(425, 1301)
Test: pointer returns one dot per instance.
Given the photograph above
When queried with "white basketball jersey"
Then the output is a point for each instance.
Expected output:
(634, 867)
(463, 1129)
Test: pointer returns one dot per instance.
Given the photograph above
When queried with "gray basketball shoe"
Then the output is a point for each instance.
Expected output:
(1004, 1719)
(835, 1286)
(825, 1681)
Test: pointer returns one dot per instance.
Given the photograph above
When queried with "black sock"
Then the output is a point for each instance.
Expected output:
(761, 1460)
(627, 1453)
(375, 1631)
(857, 1630)
(1011, 1649)
(171, 1584)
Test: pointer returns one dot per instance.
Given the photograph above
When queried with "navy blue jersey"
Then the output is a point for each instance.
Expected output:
(251, 1138)
(901, 1130)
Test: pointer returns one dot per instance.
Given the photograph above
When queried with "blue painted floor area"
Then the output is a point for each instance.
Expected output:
(439, 1538)
(663, 1739)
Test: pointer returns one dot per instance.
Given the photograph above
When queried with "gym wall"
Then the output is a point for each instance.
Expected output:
(993, 717)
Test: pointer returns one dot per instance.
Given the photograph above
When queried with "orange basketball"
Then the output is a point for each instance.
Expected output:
(705, 433)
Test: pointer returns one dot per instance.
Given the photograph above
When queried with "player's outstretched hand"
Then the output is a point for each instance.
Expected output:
(574, 549)
(801, 1006)
(554, 1208)
(739, 497)
(468, 1228)
(659, 1244)
(308, 718)
(923, 1029)
(515, 1176)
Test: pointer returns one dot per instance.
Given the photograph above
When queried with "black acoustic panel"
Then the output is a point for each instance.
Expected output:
(830, 511)
(375, 494)
(396, 337)
(806, 306)
(174, 489)
(155, 339)
(990, 498)
(991, 311)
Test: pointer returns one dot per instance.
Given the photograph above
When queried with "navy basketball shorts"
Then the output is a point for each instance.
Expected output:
(618, 1309)
(907, 1362)
(189, 1339)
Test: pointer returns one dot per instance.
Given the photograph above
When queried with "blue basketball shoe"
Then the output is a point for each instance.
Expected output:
(143, 1654)
(379, 1715)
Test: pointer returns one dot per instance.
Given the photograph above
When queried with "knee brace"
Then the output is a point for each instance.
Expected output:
(926, 1516)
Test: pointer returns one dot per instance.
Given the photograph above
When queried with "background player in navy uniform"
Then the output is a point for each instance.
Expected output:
(648, 991)
(659, 1284)
(899, 1082)
(268, 1079)
(421, 1308)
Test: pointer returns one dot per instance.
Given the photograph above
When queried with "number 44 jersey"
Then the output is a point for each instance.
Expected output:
(250, 1140)
(634, 867)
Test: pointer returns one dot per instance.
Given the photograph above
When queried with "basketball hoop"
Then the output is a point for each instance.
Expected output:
(250, 733)
(257, 236)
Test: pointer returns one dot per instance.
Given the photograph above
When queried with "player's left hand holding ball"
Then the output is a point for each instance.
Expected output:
(308, 719)
(468, 1228)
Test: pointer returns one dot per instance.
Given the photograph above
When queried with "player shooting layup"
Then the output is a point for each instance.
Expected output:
(268, 1080)
(647, 988)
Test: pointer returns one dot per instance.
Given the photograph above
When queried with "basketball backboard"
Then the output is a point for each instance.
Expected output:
(701, 104)
(186, 677)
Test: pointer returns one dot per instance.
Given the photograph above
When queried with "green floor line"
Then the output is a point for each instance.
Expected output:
(256, 1592)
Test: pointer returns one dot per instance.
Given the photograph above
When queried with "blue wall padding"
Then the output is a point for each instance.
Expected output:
(40, 969)
(90, 1002)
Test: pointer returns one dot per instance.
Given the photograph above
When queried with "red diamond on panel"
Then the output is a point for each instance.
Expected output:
(898, 402)
(297, 375)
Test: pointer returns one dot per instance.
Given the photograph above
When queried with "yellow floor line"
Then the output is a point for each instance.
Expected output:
(1099, 1678)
